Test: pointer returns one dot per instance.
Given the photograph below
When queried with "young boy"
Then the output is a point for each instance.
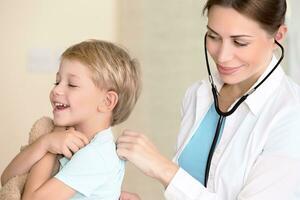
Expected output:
(96, 87)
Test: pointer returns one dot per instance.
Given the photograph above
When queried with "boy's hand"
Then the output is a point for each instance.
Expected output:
(66, 142)
(60, 141)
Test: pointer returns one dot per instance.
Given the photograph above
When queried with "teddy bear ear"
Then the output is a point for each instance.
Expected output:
(40, 127)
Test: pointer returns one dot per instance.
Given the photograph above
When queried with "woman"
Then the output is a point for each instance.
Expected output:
(240, 141)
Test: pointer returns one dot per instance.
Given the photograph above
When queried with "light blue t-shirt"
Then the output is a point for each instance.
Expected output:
(95, 171)
(195, 154)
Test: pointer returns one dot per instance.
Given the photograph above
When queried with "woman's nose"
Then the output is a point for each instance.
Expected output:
(225, 53)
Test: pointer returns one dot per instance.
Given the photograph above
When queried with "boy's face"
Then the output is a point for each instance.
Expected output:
(75, 98)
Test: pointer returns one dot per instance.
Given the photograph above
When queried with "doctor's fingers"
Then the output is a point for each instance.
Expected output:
(130, 146)
(129, 151)
(123, 153)
(146, 159)
(134, 137)
(130, 139)
(133, 150)
(136, 144)
(131, 133)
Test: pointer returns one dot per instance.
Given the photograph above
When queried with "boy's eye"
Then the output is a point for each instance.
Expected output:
(70, 85)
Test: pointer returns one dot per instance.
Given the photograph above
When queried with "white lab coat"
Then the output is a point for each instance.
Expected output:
(258, 156)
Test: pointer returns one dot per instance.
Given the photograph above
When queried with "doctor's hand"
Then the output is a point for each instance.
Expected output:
(129, 196)
(66, 142)
(138, 149)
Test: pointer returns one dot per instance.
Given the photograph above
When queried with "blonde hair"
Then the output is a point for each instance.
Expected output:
(112, 69)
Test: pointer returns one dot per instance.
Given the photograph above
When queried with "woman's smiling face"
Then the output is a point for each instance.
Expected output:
(240, 48)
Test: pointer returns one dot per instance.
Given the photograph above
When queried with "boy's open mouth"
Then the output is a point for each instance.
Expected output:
(60, 106)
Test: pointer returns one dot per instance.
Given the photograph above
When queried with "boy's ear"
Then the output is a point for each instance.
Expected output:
(109, 102)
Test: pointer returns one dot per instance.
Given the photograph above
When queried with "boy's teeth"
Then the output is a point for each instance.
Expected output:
(61, 104)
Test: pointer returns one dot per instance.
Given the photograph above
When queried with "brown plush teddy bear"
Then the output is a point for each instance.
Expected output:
(13, 189)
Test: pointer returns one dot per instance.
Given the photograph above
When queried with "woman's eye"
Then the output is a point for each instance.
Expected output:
(240, 44)
(56, 83)
(212, 36)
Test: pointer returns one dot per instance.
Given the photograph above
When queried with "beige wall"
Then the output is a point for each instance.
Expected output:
(167, 38)
(165, 35)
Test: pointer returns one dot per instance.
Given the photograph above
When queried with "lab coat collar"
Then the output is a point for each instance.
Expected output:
(257, 100)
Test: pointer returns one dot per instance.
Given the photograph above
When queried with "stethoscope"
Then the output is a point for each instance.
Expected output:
(222, 114)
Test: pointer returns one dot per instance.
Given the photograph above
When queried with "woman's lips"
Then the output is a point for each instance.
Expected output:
(227, 70)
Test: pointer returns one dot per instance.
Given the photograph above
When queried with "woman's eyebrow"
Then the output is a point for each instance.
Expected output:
(210, 29)
(232, 36)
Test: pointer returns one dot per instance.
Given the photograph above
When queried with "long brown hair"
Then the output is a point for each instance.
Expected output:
(270, 14)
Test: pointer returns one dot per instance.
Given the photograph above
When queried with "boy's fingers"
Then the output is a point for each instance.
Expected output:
(79, 143)
(79, 135)
(82, 137)
(67, 153)
(73, 147)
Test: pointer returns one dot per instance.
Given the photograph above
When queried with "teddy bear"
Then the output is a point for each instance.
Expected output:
(13, 189)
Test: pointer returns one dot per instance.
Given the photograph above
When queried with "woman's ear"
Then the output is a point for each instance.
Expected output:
(281, 33)
(110, 100)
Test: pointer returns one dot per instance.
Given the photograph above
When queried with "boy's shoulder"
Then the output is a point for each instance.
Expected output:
(102, 144)
(102, 137)
(100, 151)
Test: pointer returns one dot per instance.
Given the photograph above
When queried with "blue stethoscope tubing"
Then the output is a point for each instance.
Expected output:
(222, 114)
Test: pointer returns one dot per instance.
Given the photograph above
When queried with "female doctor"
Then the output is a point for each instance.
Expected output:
(240, 131)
